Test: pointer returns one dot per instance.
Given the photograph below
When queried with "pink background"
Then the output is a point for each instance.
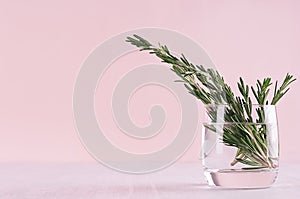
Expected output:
(42, 46)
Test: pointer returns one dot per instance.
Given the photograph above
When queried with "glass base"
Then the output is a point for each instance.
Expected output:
(240, 178)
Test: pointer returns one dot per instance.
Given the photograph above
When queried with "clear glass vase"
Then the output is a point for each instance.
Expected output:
(240, 146)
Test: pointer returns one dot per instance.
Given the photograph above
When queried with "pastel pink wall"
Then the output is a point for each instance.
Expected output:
(42, 46)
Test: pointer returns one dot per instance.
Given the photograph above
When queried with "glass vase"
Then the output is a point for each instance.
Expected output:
(240, 146)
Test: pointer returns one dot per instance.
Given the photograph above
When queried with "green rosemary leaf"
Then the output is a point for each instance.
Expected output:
(283, 89)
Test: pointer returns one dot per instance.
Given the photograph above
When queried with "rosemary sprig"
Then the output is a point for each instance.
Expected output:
(209, 86)
(283, 88)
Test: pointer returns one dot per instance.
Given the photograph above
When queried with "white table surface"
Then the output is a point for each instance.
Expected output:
(92, 180)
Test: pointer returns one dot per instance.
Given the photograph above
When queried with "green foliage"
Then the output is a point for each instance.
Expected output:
(209, 86)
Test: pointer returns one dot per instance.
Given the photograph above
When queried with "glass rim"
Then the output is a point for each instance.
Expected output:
(259, 105)
(236, 123)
